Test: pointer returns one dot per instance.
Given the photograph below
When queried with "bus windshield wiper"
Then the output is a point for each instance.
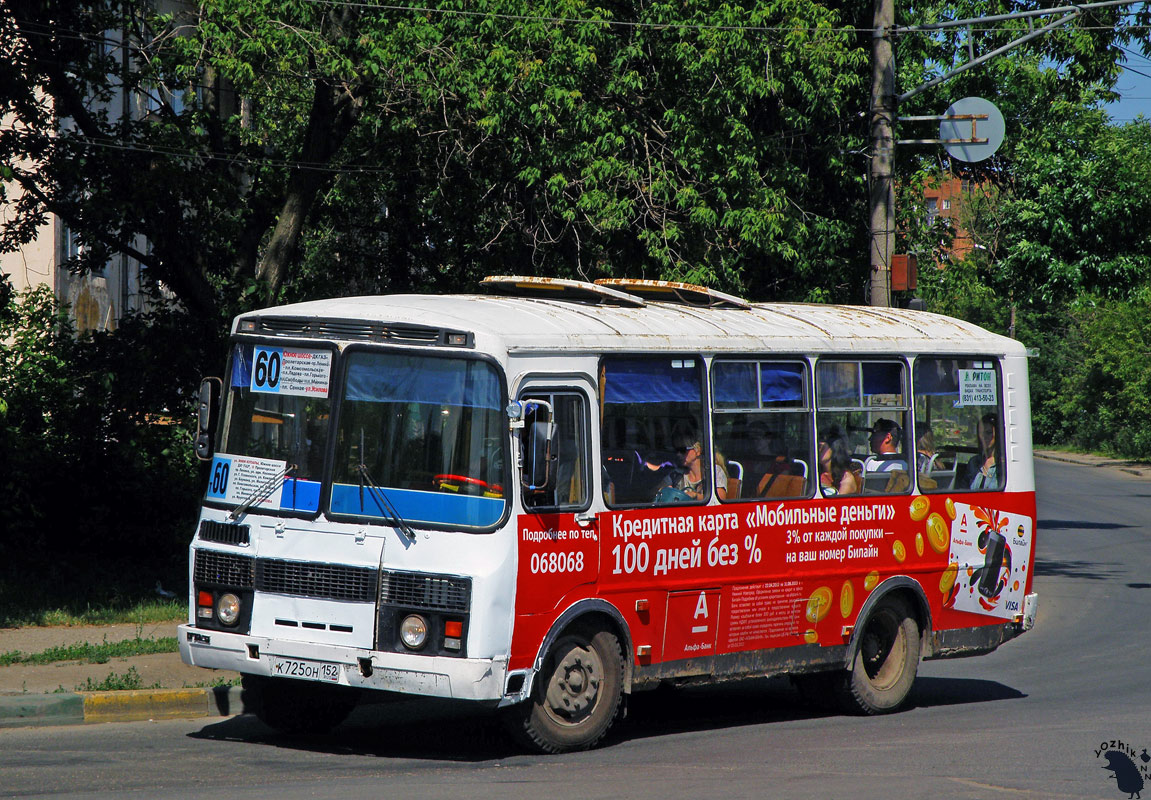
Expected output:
(262, 491)
(382, 498)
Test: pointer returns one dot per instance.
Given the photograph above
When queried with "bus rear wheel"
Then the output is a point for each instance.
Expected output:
(885, 661)
(297, 707)
(576, 695)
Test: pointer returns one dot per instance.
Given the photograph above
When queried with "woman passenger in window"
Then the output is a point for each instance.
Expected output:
(984, 468)
(835, 466)
(689, 452)
(924, 449)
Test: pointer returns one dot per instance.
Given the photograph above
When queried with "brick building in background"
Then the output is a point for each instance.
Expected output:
(945, 200)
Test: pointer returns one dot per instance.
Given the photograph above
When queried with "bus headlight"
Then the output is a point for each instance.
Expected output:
(228, 609)
(414, 631)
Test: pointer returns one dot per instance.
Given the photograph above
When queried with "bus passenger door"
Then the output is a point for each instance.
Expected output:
(558, 542)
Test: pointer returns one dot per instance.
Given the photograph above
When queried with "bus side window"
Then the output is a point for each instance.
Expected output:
(761, 427)
(958, 425)
(649, 404)
(567, 488)
(863, 419)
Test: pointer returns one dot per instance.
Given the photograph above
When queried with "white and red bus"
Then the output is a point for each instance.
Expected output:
(549, 496)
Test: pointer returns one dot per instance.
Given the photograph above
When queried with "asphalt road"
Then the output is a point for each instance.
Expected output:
(1024, 722)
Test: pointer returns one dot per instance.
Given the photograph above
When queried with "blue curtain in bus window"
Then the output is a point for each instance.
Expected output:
(882, 379)
(242, 366)
(389, 378)
(633, 380)
(781, 384)
(733, 384)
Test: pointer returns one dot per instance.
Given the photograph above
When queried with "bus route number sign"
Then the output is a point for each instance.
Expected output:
(279, 370)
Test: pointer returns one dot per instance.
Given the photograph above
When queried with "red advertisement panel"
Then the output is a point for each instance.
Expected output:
(781, 573)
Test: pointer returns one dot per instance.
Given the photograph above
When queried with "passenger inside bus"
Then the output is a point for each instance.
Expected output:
(884, 442)
(836, 475)
(646, 402)
(925, 454)
(983, 469)
(691, 481)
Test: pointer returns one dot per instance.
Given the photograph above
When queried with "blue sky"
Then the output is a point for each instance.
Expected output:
(1135, 89)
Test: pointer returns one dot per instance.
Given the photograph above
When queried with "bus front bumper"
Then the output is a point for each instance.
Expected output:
(431, 676)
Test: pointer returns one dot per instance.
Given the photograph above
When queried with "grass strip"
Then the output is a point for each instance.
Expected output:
(93, 653)
(144, 612)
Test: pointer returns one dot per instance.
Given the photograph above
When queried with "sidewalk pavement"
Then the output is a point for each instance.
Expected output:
(52, 694)
(1139, 469)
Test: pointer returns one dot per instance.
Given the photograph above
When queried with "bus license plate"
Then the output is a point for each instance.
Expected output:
(307, 670)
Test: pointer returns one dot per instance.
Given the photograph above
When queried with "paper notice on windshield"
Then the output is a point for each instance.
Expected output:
(282, 370)
(240, 479)
(977, 388)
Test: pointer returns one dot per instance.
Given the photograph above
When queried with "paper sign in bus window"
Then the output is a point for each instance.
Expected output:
(281, 370)
(977, 388)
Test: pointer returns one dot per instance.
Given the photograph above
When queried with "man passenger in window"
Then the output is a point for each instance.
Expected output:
(884, 442)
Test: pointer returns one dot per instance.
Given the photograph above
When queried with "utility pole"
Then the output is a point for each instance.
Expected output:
(884, 102)
(882, 122)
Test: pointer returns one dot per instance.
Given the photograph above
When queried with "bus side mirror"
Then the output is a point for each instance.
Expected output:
(536, 444)
(537, 447)
(206, 407)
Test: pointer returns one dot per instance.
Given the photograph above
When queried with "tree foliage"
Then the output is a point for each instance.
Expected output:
(99, 482)
(292, 148)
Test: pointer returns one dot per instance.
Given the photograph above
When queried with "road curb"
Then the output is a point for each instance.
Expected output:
(76, 708)
(1133, 467)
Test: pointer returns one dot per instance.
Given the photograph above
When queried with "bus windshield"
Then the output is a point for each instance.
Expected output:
(424, 435)
(275, 430)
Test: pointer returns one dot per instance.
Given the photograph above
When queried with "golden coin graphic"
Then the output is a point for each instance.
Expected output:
(871, 581)
(919, 544)
(819, 604)
(938, 533)
(919, 508)
(846, 599)
(947, 579)
(899, 551)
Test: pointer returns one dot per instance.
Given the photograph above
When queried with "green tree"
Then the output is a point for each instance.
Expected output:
(387, 148)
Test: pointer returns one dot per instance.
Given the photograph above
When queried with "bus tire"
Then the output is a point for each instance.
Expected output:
(885, 662)
(575, 697)
(297, 707)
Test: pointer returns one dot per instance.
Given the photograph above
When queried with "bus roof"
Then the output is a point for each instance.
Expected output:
(535, 324)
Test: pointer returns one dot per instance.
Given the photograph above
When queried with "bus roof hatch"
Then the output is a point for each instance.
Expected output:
(560, 289)
(676, 292)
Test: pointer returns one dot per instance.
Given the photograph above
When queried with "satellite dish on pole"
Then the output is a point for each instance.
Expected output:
(971, 129)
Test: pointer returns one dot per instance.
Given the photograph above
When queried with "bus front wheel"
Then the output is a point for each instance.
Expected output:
(576, 696)
(886, 660)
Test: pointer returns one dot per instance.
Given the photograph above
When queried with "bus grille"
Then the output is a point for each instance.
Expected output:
(223, 532)
(224, 569)
(420, 590)
(322, 581)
